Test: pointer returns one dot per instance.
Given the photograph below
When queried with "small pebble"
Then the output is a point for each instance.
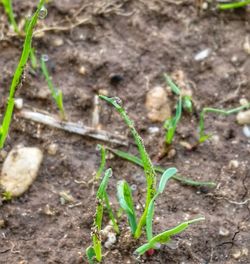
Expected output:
(20, 169)
(223, 232)
(233, 164)
(246, 131)
(103, 92)
(52, 149)
(82, 70)
(153, 130)
(2, 223)
(246, 45)
(204, 5)
(236, 254)
(202, 54)
(243, 118)
(19, 103)
(57, 42)
(243, 101)
(158, 105)
(171, 153)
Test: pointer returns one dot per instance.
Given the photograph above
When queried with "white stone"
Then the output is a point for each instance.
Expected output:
(157, 104)
(20, 169)
(246, 131)
(19, 103)
(52, 149)
(202, 55)
(243, 118)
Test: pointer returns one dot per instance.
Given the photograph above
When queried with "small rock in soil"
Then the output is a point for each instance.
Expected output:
(82, 70)
(2, 223)
(20, 169)
(233, 164)
(57, 42)
(236, 254)
(202, 55)
(246, 45)
(19, 103)
(157, 104)
(243, 118)
(246, 131)
(223, 232)
(52, 149)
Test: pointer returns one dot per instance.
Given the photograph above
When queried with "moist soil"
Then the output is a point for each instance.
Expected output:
(122, 48)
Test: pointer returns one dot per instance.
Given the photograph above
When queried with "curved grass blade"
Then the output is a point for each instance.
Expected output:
(169, 173)
(100, 197)
(202, 136)
(129, 157)
(236, 4)
(56, 93)
(174, 88)
(126, 202)
(147, 164)
(172, 123)
(111, 214)
(9, 11)
(165, 237)
(18, 74)
(103, 162)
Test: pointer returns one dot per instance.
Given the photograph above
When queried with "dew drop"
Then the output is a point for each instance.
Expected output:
(117, 100)
(45, 57)
(43, 12)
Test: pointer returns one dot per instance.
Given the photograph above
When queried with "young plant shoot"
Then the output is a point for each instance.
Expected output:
(56, 93)
(202, 136)
(184, 102)
(147, 164)
(18, 74)
(94, 252)
(233, 5)
(9, 11)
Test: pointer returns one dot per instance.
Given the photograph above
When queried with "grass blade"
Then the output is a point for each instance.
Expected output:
(18, 74)
(129, 157)
(9, 11)
(56, 94)
(90, 253)
(147, 164)
(111, 214)
(174, 88)
(172, 123)
(169, 173)
(103, 162)
(165, 237)
(126, 202)
(233, 5)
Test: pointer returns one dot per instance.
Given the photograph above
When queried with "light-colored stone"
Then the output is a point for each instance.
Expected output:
(20, 169)
(57, 42)
(243, 101)
(236, 254)
(246, 45)
(19, 103)
(246, 131)
(157, 104)
(52, 149)
(223, 232)
(233, 164)
(243, 118)
(82, 70)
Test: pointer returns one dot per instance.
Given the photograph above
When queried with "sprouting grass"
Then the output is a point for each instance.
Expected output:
(184, 102)
(95, 251)
(147, 164)
(134, 159)
(18, 74)
(202, 136)
(103, 162)
(56, 93)
(125, 195)
(233, 5)
(9, 11)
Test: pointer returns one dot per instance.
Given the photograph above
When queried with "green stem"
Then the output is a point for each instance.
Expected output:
(233, 5)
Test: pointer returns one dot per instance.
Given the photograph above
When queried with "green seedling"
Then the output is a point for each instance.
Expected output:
(103, 162)
(135, 160)
(166, 236)
(184, 103)
(18, 74)
(147, 164)
(9, 11)
(56, 93)
(7, 196)
(202, 136)
(94, 252)
(233, 5)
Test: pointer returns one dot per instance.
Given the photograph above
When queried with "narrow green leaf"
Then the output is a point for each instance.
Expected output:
(187, 103)
(103, 162)
(131, 158)
(165, 237)
(111, 214)
(126, 202)
(90, 253)
(175, 89)
(171, 124)
(165, 177)
(149, 220)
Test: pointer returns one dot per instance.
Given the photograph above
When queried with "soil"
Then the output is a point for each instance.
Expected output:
(125, 47)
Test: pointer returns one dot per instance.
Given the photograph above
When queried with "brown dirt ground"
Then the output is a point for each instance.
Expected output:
(137, 41)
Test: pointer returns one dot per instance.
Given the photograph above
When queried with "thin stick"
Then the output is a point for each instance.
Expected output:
(73, 127)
